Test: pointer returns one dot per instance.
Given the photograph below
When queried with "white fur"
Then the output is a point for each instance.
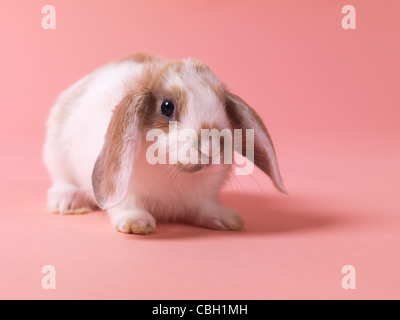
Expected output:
(76, 129)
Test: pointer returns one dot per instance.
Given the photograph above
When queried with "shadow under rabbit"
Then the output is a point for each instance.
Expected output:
(262, 215)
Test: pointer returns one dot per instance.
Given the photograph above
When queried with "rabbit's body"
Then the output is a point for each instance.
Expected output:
(76, 129)
(96, 146)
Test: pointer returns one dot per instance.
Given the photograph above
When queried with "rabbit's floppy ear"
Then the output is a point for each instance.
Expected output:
(244, 117)
(112, 170)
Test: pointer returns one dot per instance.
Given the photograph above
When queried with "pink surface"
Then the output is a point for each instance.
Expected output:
(329, 96)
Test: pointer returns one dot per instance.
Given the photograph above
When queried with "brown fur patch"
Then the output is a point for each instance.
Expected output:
(177, 95)
(218, 90)
(181, 98)
(208, 79)
(151, 84)
(119, 145)
(115, 143)
(159, 122)
(140, 57)
(241, 115)
(200, 66)
(174, 65)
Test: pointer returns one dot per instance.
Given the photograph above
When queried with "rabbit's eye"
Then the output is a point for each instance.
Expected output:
(167, 108)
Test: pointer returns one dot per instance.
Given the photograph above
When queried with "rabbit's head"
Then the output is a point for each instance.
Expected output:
(180, 115)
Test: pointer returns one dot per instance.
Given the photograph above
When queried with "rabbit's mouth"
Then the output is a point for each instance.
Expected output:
(193, 168)
(190, 168)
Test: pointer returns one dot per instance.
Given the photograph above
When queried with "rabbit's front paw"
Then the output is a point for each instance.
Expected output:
(68, 199)
(134, 222)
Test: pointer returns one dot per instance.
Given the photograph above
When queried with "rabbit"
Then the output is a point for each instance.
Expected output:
(96, 144)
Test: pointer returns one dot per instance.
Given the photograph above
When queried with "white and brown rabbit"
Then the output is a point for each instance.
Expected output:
(97, 145)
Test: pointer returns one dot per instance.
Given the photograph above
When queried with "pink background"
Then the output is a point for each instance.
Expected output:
(330, 98)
